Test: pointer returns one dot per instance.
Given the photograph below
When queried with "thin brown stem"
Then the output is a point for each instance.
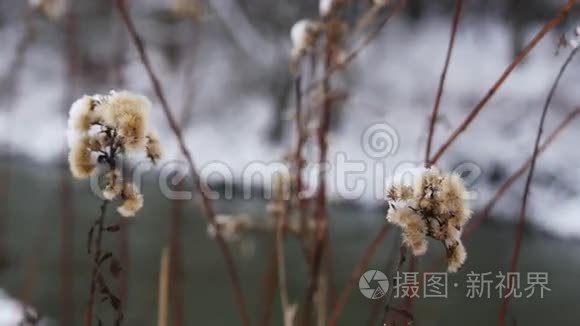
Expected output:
(340, 303)
(402, 259)
(206, 202)
(320, 210)
(518, 173)
(281, 261)
(359, 48)
(66, 193)
(164, 271)
(522, 220)
(563, 13)
(176, 262)
(435, 113)
(99, 224)
(298, 162)
(269, 290)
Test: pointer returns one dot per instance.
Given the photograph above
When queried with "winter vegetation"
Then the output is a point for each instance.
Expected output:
(437, 101)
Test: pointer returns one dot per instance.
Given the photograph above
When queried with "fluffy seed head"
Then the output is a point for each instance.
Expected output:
(154, 150)
(132, 200)
(79, 158)
(113, 185)
(80, 119)
(53, 9)
(435, 207)
(303, 34)
(456, 256)
(128, 113)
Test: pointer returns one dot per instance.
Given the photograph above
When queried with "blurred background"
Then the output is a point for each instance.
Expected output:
(225, 67)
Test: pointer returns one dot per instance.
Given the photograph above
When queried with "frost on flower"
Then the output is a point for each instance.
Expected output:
(79, 158)
(230, 227)
(53, 9)
(304, 35)
(104, 128)
(132, 200)
(324, 7)
(435, 206)
(186, 8)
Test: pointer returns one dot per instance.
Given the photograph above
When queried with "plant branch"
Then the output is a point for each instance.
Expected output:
(496, 86)
(435, 113)
(359, 48)
(359, 269)
(522, 220)
(400, 264)
(99, 224)
(206, 203)
(519, 172)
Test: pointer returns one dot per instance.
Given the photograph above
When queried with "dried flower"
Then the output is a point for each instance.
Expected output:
(381, 3)
(436, 207)
(132, 200)
(128, 114)
(230, 227)
(102, 128)
(456, 255)
(80, 119)
(79, 158)
(187, 8)
(328, 8)
(53, 9)
(154, 150)
(304, 35)
(113, 186)
(324, 7)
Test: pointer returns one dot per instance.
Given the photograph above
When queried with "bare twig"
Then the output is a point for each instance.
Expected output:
(206, 203)
(435, 113)
(356, 274)
(522, 220)
(66, 193)
(269, 290)
(176, 260)
(375, 312)
(99, 224)
(389, 299)
(320, 209)
(162, 314)
(298, 162)
(518, 173)
(281, 220)
(496, 86)
(358, 49)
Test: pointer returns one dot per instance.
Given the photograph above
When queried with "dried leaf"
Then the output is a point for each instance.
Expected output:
(107, 255)
(115, 267)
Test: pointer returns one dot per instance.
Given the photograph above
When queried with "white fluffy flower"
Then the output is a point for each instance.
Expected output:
(53, 9)
(78, 113)
(324, 7)
(299, 32)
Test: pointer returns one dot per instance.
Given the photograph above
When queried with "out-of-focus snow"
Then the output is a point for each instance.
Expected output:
(393, 81)
(12, 313)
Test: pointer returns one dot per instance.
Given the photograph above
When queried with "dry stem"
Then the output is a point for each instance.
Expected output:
(522, 220)
(359, 269)
(496, 86)
(435, 113)
(206, 203)
(99, 224)
(519, 172)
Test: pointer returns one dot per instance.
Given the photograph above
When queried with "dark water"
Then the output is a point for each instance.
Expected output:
(32, 233)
